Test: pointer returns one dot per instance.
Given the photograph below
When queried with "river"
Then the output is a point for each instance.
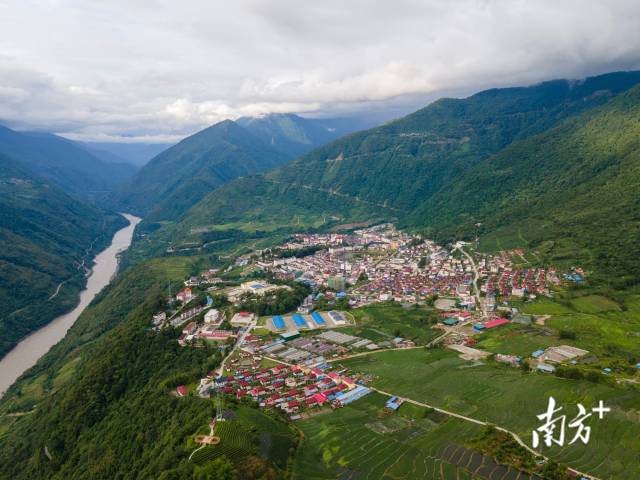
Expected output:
(24, 355)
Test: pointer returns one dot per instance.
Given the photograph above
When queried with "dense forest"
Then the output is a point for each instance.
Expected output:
(47, 242)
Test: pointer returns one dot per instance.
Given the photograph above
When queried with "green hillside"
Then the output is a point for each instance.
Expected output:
(65, 164)
(180, 176)
(294, 135)
(444, 168)
(574, 185)
(45, 236)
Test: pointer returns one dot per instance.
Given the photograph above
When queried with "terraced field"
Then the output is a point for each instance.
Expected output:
(235, 443)
(506, 397)
(359, 441)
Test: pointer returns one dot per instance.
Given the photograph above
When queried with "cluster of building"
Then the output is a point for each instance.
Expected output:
(544, 360)
(519, 283)
(290, 388)
(379, 264)
(210, 330)
(314, 350)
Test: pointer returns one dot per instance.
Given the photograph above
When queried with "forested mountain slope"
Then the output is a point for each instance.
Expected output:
(179, 177)
(417, 169)
(294, 135)
(64, 163)
(575, 186)
(45, 236)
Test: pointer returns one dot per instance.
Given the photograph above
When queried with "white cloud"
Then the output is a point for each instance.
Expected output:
(163, 69)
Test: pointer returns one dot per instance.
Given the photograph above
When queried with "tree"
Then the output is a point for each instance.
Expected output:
(554, 471)
(220, 469)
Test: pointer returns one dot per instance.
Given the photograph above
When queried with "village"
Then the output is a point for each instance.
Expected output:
(286, 360)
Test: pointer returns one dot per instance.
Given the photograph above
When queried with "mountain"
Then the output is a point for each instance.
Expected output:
(553, 166)
(180, 176)
(46, 236)
(426, 167)
(64, 163)
(137, 154)
(294, 135)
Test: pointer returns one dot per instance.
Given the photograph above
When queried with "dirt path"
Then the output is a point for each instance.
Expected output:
(55, 294)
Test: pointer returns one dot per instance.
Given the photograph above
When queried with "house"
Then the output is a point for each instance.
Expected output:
(181, 390)
(185, 296)
(190, 328)
(544, 368)
(159, 318)
(243, 319)
(319, 398)
(496, 322)
(213, 316)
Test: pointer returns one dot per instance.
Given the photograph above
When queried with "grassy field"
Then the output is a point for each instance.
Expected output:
(508, 398)
(386, 321)
(361, 441)
(515, 339)
(608, 328)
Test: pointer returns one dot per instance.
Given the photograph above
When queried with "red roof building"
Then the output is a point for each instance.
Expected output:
(320, 398)
(496, 323)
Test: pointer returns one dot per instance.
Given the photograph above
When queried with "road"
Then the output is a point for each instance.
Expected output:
(237, 345)
(476, 277)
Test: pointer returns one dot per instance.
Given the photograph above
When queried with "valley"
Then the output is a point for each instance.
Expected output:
(28, 351)
(302, 302)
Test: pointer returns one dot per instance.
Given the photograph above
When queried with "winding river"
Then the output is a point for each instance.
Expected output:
(31, 348)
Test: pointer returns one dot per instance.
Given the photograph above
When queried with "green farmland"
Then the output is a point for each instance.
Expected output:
(360, 441)
(386, 321)
(508, 398)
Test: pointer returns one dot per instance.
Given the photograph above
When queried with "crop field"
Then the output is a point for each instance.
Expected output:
(235, 443)
(383, 322)
(251, 433)
(515, 339)
(360, 441)
(594, 304)
(602, 326)
(511, 399)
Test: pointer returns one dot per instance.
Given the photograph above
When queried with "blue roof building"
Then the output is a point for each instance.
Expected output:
(278, 322)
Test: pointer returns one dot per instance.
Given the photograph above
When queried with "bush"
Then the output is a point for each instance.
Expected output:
(567, 334)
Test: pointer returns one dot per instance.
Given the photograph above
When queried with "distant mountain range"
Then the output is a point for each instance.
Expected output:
(137, 154)
(179, 177)
(531, 165)
(65, 163)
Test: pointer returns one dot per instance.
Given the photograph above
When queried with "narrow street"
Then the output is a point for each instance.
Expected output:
(476, 276)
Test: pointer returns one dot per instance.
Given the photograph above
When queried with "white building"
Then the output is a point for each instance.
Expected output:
(213, 316)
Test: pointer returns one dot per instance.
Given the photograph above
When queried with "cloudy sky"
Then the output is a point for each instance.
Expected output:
(156, 70)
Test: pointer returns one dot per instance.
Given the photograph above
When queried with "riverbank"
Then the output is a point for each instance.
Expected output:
(24, 355)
